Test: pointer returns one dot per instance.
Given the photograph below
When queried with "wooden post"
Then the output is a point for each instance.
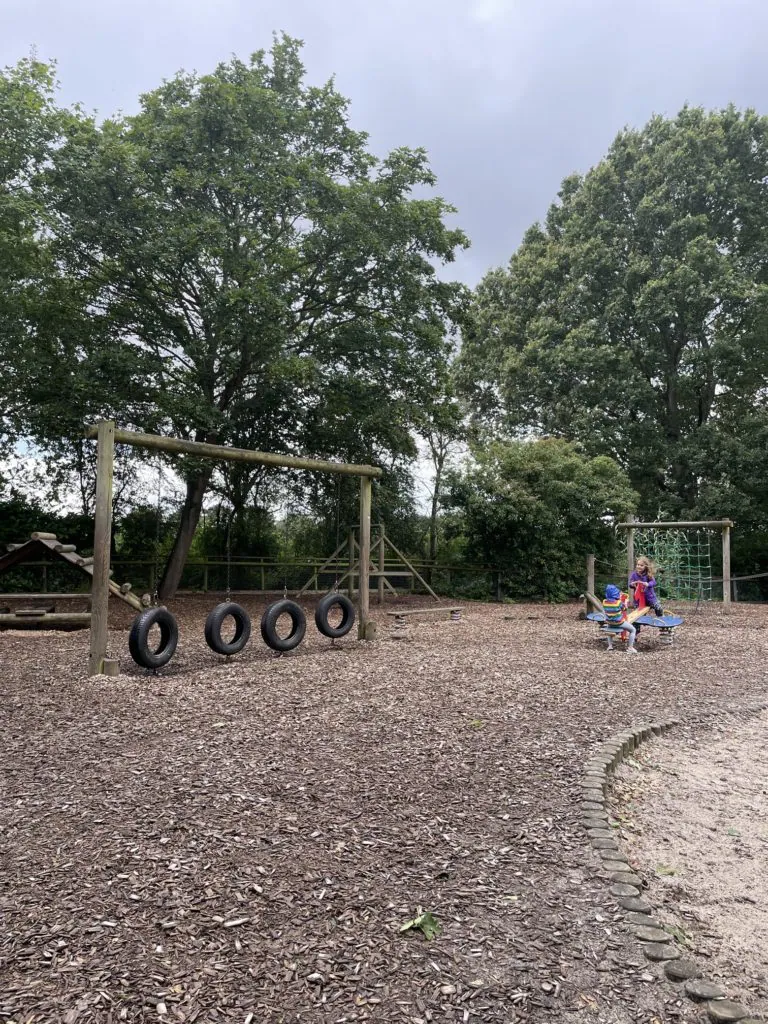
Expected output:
(726, 568)
(381, 563)
(365, 556)
(630, 549)
(102, 539)
(45, 577)
(205, 578)
(351, 559)
(591, 576)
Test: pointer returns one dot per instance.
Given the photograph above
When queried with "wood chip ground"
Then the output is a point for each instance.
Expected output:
(243, 841)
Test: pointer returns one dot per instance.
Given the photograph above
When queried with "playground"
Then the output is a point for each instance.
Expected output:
(246, 839)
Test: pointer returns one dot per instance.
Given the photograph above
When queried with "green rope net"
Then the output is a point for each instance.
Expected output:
(683, 562)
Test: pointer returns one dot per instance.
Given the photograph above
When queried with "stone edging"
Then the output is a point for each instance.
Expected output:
(657, 944)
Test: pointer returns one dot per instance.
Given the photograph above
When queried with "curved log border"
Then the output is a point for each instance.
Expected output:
(626, 886)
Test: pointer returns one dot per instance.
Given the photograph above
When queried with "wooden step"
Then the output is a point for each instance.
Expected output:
(425, 611)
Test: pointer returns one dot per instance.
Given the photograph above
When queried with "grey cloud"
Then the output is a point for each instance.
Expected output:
(508, 96)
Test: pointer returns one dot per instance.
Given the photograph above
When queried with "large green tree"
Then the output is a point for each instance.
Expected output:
(634, 318)
(534, 509)
(28, 128)
(252, 270)
(51, 372)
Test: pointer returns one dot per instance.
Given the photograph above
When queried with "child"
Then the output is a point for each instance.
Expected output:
(642, 579)
(615, 608)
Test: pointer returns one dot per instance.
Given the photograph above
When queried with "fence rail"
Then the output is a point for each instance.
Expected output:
(263, 575)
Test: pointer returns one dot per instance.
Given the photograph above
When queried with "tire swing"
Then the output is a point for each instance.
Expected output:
(227, 609)
(334, 598)
(138, 639)
(214, 622)
(139, 646)
(269, 633)
(322, 615)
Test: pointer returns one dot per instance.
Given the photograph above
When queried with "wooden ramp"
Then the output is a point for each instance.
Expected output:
(42, 545)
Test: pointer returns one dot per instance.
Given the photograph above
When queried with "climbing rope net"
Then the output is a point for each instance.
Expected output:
(683, 561)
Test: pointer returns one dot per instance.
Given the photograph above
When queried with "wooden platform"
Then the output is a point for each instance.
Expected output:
(425, 611)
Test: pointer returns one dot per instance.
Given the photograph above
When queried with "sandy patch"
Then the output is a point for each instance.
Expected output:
(695, 813)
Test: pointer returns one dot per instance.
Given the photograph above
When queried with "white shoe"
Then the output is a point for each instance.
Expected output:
(631, 650)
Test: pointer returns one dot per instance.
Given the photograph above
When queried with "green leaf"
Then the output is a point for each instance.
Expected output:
(424, 922)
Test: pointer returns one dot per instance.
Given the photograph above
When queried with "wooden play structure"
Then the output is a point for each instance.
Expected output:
(378, 569)
(107, 435)
(40, 611)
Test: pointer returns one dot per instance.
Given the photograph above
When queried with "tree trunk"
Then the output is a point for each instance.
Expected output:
(190, 517)
(435, 506)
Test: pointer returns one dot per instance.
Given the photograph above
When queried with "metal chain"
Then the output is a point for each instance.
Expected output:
(229, 557)
(285, 562)
(155, 597)
(285, 555)
(338, 512)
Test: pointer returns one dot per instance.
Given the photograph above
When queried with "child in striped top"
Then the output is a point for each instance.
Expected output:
(615, 609)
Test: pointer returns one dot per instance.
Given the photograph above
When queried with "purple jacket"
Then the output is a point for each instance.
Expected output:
(650, 590)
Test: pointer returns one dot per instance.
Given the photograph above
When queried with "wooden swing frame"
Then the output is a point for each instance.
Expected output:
(107, 435)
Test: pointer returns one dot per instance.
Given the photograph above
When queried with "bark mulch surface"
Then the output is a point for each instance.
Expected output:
(243, 841)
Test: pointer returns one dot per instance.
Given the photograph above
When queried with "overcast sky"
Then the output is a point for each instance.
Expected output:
(508, 96)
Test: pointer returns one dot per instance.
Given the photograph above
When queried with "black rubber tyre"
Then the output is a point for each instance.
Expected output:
(138, 638)
(324, 607)
(215, 621)
(269, 625)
